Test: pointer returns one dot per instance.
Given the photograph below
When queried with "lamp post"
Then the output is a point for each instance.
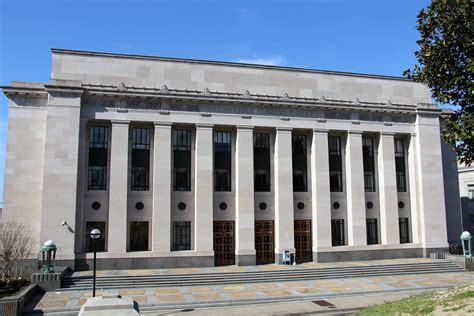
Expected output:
(95, 234)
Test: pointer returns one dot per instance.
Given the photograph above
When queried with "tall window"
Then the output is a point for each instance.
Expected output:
(372, 236)
(404, 230)
(181, 236)
(337, 232)
(261, 156)
(222, 161)
(369, 163)
(139, 236)
(98, 147)
(400, 165)
(300, 178)
(100, 243)
(470, 192)
(335, 163)
(182, 160)
(140, 159)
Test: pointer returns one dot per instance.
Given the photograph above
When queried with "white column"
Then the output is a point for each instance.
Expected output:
(388, 190)
(412, 188)
(320, 192)
(203, 212)
(284, 221)
(117, 237)
(161, 222)
(430, 183)
(356, 225)
(244, 198)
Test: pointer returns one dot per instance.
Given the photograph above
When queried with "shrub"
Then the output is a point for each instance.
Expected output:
(14, 284)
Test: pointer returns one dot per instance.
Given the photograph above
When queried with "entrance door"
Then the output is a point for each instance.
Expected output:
(303, 241)
(264, 242)
(224, 249)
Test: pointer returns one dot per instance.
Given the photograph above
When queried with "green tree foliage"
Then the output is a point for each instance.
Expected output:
(445, 64)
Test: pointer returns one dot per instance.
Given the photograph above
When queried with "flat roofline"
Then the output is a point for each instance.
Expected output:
(223, 63)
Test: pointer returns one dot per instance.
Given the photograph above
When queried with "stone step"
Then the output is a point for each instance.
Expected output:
(200, 279)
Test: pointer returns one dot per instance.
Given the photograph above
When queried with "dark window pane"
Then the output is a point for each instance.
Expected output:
(404, 230)
(337, 231)
(100, 243)
(369, 163)
(181, 236)
(139, 236)
(335, 163)
(372, 235)
(97, 163)
(181, 160)
(299, 161)
(222, 161)
(400, 166)
(261, 154)
(140, 178)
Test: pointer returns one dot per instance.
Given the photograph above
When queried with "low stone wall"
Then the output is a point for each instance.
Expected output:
(13, 305)
(49, 281)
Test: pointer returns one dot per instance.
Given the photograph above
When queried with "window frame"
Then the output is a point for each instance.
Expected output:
(182, 142)
(181, 235)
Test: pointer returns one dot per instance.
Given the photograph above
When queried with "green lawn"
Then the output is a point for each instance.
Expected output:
(457, 300)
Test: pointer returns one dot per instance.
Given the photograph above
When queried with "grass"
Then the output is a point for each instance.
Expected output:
(457, 299)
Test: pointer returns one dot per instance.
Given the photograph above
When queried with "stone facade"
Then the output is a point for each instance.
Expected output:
(46, 179)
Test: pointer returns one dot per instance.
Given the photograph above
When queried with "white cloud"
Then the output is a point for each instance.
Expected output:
(275, 60)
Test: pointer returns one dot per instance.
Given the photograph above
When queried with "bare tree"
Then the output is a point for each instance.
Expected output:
(16, 245)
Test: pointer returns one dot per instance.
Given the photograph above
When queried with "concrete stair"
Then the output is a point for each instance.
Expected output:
(291, 274)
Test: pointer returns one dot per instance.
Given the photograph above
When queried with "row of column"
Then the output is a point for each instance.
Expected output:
(245, 217)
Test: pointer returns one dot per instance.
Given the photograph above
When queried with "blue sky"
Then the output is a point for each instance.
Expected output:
(369, 36)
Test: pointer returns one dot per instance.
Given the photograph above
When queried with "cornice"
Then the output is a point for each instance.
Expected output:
(11, 91)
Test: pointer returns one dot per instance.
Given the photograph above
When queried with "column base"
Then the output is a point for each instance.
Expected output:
(245, 260)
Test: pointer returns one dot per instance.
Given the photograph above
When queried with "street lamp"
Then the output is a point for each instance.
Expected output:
(95, 234)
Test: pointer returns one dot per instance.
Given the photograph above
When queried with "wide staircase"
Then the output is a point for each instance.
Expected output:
(292, 273)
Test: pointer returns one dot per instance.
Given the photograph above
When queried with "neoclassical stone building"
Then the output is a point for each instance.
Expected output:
(185, 162)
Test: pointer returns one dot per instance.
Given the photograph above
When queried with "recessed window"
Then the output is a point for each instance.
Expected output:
(263, 206)
(138, 236)
(98, 151)
(470, 192)
(140, 177)
(182, 206)
(404, 230)
(299, 162)
(100, 243)
(337, 232)
(335, 163)
(181, 160)
(96, 205)
(372, 235)
(222, 161)
(181, 236)
(223, 206)
(336, 205)
(300, 205)
(139, 206)
(400, 166)
(370, 205)
(261, 160)
(369, 163)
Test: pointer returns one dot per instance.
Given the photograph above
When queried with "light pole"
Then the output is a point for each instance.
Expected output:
(95, 234)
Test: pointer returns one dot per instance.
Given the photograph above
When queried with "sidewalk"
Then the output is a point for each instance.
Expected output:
(191, 297)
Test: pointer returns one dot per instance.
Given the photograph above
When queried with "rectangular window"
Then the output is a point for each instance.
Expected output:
(404, 230)
(372, 236)
(400, 165)
(337, 231)
(369, 163)
(100, 243)
(261, 156)
(139, 236)
(181, 236)
(181, 160)
(471, 223)
(335, 163)
(299, 163)
(140, 159)
(98, 151)
(470, 192)
(222, 161)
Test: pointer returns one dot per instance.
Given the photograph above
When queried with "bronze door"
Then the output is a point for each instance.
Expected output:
(264, 242)
(224, 249)
(303, 241)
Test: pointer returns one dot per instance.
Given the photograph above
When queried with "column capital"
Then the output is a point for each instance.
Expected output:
(354, 132)
(245, 127)
(320, 131)
(392, 134)
(162, 124)
(413, 134)
(204, 125)
(120, 122)
(284, 129)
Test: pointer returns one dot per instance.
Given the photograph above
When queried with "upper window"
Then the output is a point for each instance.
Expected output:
(261, 154)
(400, 167)
(181, 160)
(335, 163)
(222, 161)
(299, 160)
(98, 151)
(140, 180)
(369, 163)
